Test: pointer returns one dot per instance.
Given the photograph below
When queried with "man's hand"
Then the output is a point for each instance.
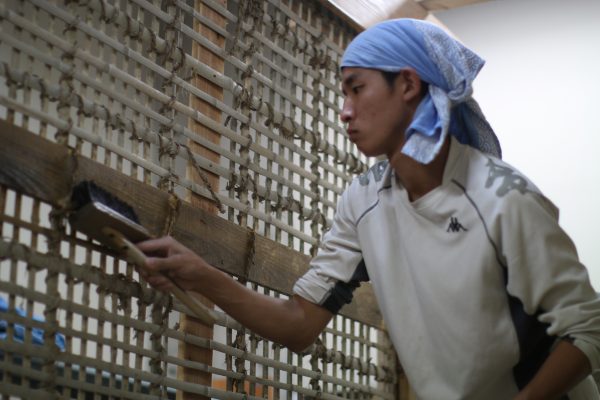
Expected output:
(562, 371)
(169, 261)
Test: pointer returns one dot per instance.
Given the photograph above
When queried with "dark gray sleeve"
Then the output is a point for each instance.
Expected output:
(342, 292)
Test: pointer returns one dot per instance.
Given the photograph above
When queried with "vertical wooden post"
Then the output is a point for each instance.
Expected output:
(190, 324)
(404, 389)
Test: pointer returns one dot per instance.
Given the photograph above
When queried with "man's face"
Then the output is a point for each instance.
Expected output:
(375, 112)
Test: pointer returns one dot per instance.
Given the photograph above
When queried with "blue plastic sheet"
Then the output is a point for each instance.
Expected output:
(37, 334)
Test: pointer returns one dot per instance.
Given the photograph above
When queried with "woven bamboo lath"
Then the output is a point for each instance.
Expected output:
(185, 107)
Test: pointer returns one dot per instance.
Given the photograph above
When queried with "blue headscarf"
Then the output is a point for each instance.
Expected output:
(446, 65)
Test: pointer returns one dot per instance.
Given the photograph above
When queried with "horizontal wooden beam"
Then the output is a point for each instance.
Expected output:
(343, 14)
(361, 14)
(408, 9)
(45, 170)
(436, 5)
(365, 13)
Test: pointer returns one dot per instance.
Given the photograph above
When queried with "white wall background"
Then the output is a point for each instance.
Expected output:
(540, 90)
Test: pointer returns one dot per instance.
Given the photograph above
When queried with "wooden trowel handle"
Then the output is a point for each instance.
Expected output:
(135, 255)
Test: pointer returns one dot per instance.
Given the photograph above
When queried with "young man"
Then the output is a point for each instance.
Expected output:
(481, 290)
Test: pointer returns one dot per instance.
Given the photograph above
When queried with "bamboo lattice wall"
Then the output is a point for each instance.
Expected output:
(218, 121)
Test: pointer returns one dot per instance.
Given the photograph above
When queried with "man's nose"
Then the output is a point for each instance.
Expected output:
(347, 111)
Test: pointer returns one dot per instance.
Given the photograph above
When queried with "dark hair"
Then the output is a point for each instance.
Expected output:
(390, 78)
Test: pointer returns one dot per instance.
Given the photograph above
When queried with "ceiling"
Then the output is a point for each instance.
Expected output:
(364, 13)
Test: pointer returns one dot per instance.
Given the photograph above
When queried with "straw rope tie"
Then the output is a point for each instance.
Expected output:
(77, 101)
(244, 182)
(317, 60)
(10, 80)
(168, 146)
(247, 8)
(256, 196)
(133, 29)
(66, 83)
(239, 362)
(71, 26)
(252, 8)
(277, 29)
(256, 104)
(292, 202)
(242, 97)
(268, 122)
(62, 134)
(54, 242)
(278, 199)
(178, 62)
(167, 51)
(174, 205)
(168, 106)
(203, 177)
(249, 52)
(315, 140)
(133, 134)
(159, 316)
(289, 133)
(150, 44)
(314, 364)
(250, 252)
(232, 47)
(282, 202)
(169, 81)
(107, 19)
(317, 96)
(66, 78)
(296, 46)
(245, 98)
(231, 44)
(171, 3)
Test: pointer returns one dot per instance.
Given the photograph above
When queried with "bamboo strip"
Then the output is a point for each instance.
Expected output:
(348, 160)
(10, 389)
(17, 251)
(128, 373)
(187, 338)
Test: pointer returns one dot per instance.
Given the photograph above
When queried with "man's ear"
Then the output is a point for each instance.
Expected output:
(412, 85)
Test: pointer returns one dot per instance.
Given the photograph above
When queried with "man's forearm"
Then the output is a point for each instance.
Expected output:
(564, 369)
(293, 322)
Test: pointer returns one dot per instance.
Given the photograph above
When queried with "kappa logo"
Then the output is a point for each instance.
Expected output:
(455, 226)
(377, 172)
(510, 179)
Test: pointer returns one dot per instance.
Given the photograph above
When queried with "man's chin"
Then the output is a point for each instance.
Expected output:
(370, 152)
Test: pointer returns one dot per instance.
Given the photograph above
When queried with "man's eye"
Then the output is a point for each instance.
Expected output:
(356, 89)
